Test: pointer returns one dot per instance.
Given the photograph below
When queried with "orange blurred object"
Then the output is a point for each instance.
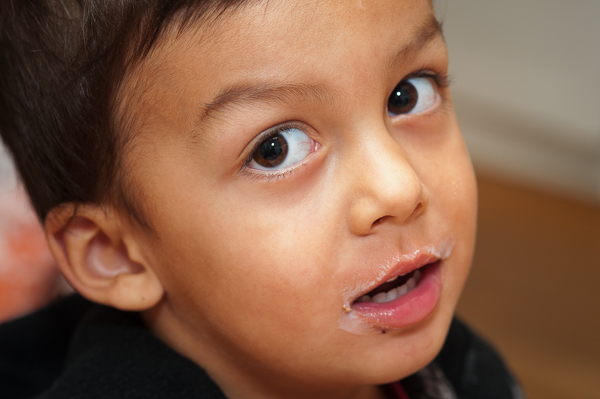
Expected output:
(28, 277)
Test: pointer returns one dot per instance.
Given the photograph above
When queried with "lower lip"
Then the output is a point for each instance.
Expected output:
(410, 308)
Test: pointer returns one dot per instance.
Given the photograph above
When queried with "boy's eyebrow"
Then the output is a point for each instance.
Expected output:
(285, 93)
(425, 34)
(263, 92)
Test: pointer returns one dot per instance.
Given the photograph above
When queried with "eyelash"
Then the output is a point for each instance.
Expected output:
(441, 80)
(281, 174)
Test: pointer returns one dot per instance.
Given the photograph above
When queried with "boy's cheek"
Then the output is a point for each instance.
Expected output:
(261, 302)
(259, 257)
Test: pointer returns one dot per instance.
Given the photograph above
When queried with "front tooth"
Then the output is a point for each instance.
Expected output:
(391, 295)
(411, 283)
(392, 279)
(379, 298)
(417, 275)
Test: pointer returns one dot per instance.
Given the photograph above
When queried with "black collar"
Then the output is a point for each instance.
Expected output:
(113, 355)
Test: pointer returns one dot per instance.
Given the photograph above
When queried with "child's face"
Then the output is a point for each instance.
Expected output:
(263, 250)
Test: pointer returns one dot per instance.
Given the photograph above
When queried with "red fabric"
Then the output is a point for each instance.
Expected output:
(398, 391)
(28, 277)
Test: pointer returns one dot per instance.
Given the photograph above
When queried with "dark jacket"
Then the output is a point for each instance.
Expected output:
(75, 349)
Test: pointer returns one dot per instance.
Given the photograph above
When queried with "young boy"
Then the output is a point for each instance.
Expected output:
(272, 199)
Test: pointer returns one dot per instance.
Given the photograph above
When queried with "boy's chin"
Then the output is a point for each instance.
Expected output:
(402, 352)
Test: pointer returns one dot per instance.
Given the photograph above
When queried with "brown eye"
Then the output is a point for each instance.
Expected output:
(403, 99)
(282, 149)
(412, 96)
(271, 152)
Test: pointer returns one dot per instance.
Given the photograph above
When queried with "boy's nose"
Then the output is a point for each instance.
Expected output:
(387, 189)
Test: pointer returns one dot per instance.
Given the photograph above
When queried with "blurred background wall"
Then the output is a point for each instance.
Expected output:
(526, 87)
(28, 277)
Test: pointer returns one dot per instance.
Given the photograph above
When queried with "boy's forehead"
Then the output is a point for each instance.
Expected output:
(264, 48)
(263, 30)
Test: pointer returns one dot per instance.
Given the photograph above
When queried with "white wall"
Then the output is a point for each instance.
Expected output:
(526, 84)
(7, 173)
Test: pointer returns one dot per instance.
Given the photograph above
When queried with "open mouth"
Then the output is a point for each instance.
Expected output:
(403, 292)
(395, 287)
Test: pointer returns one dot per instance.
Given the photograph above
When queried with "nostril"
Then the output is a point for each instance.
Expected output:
(417, 211)
(380, 220)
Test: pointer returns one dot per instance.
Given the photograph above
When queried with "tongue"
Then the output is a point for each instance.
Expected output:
(385, 287)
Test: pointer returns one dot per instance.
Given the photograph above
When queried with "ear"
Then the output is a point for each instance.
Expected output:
(100, 257)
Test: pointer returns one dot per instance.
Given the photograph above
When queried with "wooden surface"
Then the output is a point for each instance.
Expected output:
(534, 289)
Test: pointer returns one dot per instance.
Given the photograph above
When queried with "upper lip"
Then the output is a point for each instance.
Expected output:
(404, 264)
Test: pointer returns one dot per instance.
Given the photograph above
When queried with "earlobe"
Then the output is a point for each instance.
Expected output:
(99, 259)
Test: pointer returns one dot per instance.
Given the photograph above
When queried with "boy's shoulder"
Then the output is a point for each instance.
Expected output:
(75, 346)
(33, 348)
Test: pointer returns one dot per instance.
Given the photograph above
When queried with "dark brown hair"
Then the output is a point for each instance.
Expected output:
(61, 65)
